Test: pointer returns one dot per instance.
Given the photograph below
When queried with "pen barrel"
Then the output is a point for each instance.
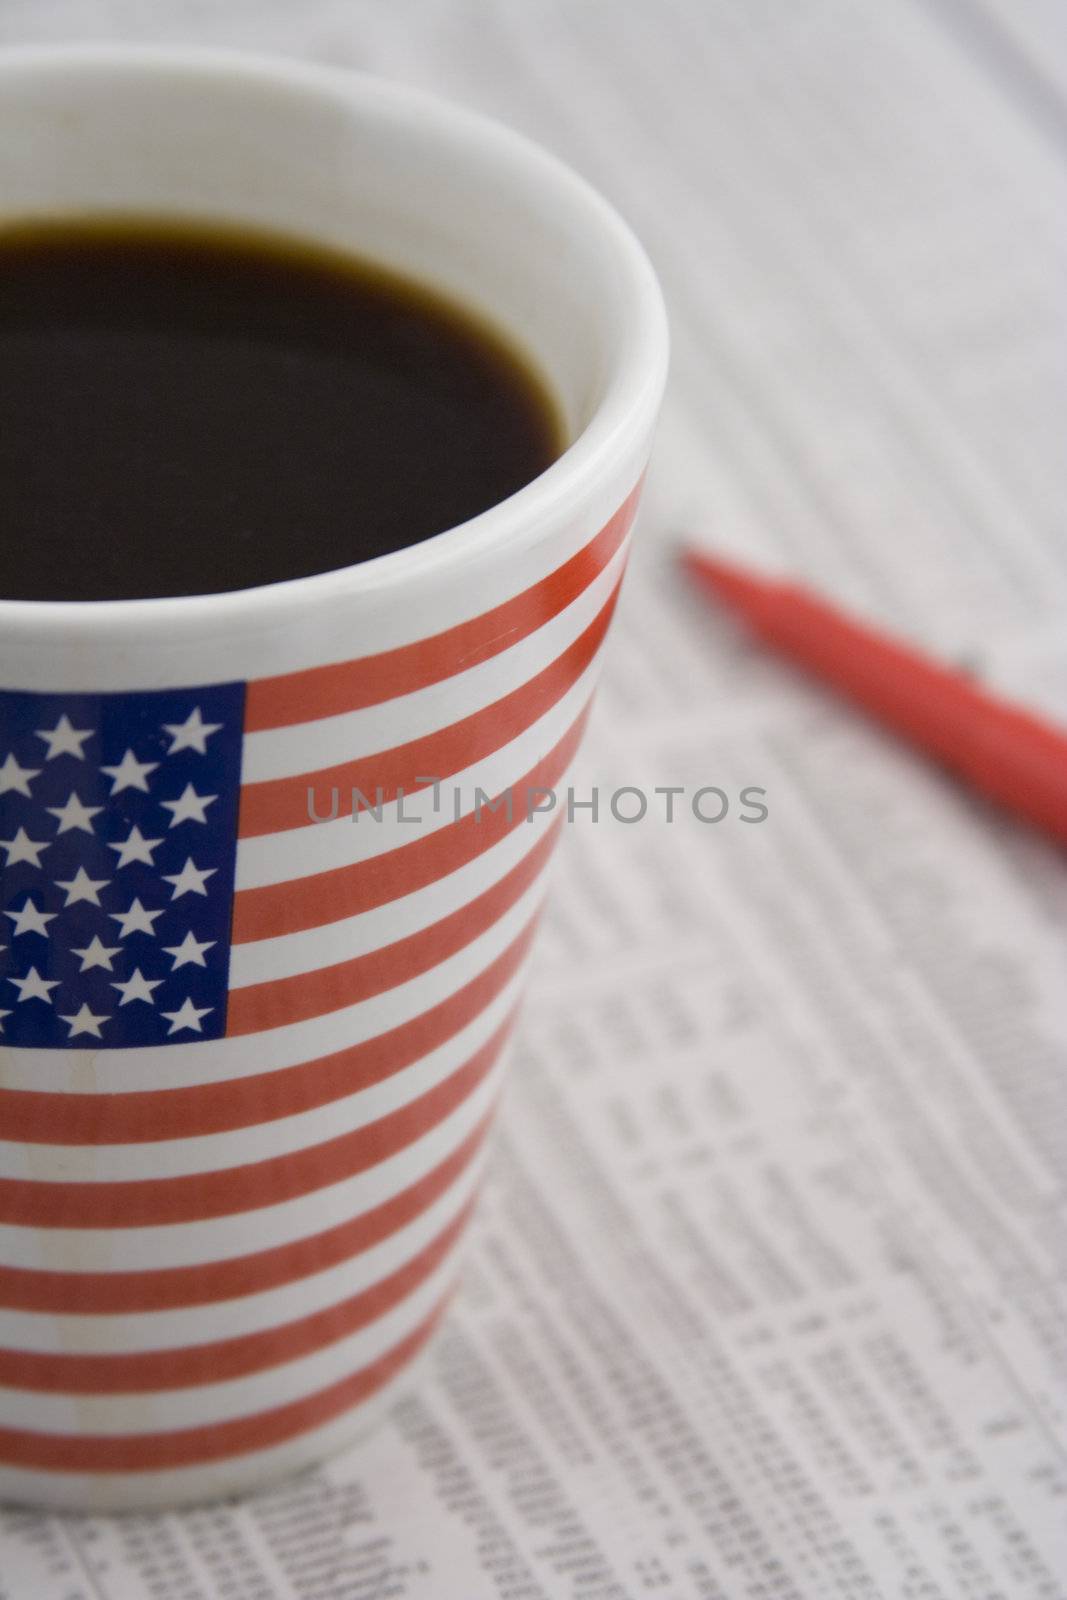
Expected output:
(1010, 756)
(924, 702)
(1020, 762)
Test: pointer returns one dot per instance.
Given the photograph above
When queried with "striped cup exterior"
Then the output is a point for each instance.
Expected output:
(250, 1048)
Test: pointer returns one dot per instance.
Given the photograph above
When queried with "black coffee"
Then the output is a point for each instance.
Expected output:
(186, 410)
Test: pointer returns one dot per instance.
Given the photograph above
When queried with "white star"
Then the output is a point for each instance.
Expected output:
(190, 880)
(63, 740)
(14, 777)
(74, 815)
(82, 887)
(135, 920)
(135, 848)
(192, 734)
(96, 954)
(137, 987)
(3, 1014)
(30, 919)
(34, 987)
(187, 1016)
(189, 806)
(189, 951)
(83, 1021)
(23, 848)
(130, 773)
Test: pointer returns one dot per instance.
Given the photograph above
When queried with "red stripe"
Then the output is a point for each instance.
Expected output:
(173, 1288)
(281, 1001)
(216, 1441)
(367, 681)
(147, 1116)
(223, 1360)
(198, 1196)
(310, 902)
(281, 804)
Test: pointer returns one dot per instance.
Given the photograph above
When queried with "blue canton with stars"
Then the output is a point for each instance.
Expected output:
(118, 836)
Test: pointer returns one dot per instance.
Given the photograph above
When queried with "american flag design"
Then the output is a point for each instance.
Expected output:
(248, 1060)
(120, 815)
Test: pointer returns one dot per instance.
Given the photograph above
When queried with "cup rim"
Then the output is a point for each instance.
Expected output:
(627, 406)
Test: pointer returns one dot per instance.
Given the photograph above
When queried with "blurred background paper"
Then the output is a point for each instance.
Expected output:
(765, 1300)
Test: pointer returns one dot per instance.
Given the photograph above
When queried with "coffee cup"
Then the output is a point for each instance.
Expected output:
(225, 1244)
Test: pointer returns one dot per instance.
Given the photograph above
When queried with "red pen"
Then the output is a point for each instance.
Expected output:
(1002, 750)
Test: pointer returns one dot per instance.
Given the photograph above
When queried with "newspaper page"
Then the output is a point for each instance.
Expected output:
(764, 1300)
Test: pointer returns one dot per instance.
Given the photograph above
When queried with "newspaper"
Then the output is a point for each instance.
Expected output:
(764, 1300)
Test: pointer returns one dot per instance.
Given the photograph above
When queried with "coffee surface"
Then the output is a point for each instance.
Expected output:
(189, 411)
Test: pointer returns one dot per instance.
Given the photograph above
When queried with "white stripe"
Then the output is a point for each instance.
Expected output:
(180, 1066)
(182, 1244)
(309, 746)
(323, 846)
(237, 1397)
(173, 1158)
(367, 931)
(227, 1319)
